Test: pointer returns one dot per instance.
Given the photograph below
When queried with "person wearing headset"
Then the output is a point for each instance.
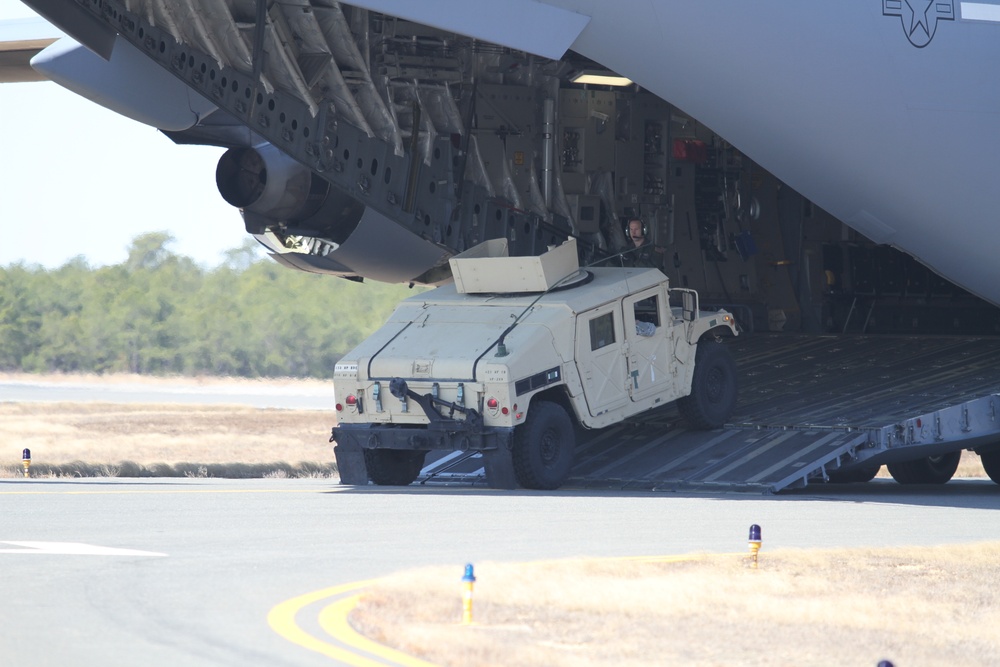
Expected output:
(642, 253)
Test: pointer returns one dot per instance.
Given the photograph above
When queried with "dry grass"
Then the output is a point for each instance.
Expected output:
(84, 439)
(935, 606)
(81, 439)
(158, 380)
(130, 440)
(969, 466)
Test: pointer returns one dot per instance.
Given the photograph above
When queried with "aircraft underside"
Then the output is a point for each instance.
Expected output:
(363, 145)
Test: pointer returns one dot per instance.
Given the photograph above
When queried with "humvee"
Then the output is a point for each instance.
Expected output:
(514, 355)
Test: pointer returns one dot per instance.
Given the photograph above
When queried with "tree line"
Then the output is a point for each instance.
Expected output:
(162, 314)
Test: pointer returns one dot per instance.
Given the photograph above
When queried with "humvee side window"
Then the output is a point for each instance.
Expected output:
(602, 331)
(647, 310)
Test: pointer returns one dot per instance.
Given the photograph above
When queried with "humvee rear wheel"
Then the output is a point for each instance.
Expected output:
(393, 467)
(991, 464)
(543, 447)
(928, 470)
(854, 476)
(713, 387)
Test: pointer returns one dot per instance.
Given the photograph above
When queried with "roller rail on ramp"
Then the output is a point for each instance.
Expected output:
(809, 406)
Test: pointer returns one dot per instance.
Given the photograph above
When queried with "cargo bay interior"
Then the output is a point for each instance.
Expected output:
(728, 228)
(456, 141)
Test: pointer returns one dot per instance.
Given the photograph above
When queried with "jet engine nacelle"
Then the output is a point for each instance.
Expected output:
(272, 188)
(276, 193)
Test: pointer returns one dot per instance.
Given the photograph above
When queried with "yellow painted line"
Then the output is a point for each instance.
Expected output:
(333, 619)
(282, 620)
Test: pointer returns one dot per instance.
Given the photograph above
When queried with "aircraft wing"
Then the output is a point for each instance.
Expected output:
(20, 41)
(334, 158)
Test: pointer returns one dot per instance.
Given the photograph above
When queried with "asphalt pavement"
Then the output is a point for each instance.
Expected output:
(208, 561)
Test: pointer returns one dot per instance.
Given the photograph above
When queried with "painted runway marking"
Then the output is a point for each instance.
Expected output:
(282, 620)
(348, 645)
(72, 549)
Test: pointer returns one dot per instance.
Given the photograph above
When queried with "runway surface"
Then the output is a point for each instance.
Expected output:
(207, 561)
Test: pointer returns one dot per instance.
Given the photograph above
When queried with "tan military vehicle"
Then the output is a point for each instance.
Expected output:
(514, 355)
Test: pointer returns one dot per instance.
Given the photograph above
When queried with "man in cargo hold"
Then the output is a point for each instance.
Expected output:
(643, 253)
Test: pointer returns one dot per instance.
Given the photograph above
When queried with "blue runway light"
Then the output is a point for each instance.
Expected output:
(469, 575)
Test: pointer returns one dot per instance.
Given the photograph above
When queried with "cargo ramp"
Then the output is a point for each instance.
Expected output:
(810, 407)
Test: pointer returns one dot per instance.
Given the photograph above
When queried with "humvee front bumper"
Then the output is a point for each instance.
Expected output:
(493, 443)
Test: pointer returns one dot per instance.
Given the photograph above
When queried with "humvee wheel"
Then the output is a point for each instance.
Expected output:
(858, 475)
(928, 470)
(393, 467)
(991, 464)
(543, 447)
(713, 387)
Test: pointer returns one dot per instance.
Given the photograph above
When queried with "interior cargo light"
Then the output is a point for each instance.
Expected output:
(601, 78)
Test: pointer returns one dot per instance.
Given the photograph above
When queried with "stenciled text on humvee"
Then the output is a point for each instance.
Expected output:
(516, 352)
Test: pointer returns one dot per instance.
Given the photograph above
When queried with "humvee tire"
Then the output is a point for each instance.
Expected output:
(713, 387)
(543, 447)
(393, 467)
(926, 470)
(858, 475)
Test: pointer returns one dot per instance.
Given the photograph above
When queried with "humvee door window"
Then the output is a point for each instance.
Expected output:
(602, 331)
(646, 310)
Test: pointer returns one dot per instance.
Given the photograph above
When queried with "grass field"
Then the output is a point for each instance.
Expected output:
(84, 439)
(927, 607)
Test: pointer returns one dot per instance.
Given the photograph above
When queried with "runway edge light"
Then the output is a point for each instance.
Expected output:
(754, 544)
(467, 581)
(26, 460)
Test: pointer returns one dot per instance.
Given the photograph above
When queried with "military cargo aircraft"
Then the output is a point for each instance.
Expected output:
(781, 155)
(813, 167)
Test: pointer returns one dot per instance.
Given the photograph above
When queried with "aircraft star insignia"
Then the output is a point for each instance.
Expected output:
(920, 18)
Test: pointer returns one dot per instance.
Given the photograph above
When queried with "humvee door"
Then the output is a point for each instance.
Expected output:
(649, 338)
(600, 358)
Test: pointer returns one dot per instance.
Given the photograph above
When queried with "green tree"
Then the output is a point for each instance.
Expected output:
(158, 312)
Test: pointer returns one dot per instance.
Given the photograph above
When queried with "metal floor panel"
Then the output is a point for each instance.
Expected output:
(858, 381)
(805, 403)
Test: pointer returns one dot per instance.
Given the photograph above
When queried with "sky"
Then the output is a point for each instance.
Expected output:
(78, 179)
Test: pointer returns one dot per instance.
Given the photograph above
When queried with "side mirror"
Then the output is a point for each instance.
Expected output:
(689, 306)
